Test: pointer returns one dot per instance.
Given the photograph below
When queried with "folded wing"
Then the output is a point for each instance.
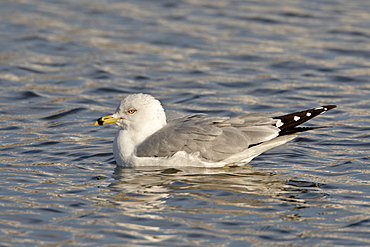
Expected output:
(213, 138)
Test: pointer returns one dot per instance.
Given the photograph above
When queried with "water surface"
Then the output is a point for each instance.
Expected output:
(63, 64)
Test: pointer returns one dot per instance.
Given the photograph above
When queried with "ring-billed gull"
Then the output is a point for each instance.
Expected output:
(146, 139)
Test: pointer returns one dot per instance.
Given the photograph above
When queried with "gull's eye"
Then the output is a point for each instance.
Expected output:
(131, 111)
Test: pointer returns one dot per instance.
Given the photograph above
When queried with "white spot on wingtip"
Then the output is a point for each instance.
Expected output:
(296, 118)
(279, 123)
(308, 114)
(325, 109)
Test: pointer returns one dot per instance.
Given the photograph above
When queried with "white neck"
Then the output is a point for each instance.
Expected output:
(126, 141)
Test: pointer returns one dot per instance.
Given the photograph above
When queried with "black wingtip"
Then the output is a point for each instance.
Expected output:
(328, 107)
(289, 122)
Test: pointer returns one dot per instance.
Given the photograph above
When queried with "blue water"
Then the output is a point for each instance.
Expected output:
(63, 64)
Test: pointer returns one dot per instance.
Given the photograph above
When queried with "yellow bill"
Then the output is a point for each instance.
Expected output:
(106, 120)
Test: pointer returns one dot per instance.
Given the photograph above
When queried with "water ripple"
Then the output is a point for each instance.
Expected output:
(66, 63)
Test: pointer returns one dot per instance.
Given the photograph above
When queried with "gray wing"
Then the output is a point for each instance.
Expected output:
(214, 138)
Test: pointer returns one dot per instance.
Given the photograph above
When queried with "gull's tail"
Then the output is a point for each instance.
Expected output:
(290, 121)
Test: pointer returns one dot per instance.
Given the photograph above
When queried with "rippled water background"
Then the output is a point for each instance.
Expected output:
(65, 63)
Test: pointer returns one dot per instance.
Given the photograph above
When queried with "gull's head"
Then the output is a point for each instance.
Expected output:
(138, 112)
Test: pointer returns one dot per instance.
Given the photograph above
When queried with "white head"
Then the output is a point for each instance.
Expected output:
(140, 113)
